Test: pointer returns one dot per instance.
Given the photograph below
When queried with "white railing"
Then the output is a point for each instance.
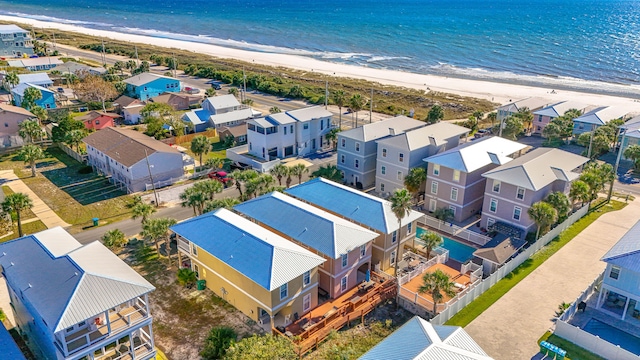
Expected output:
(420, 269)
(592, 343)
(571, 310)
(455, 230)
(184, 245)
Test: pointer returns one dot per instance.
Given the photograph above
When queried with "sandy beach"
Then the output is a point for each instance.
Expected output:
(498, 92)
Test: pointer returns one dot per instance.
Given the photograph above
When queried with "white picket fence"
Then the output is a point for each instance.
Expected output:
(459, 302)
(454, 230)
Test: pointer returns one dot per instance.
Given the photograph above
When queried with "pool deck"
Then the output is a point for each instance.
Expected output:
(449, 236)
(629, 325)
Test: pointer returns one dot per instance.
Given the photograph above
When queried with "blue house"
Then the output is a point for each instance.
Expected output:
(48, 100)
(146, 85)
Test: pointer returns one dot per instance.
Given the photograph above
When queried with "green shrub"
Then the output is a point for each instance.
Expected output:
(217, 342)
(186, 277)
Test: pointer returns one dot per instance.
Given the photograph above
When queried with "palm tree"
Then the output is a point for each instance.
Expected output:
(401, 206)
(31, 95)
(200, 145)
(339, 99)
(142, 210)
(227, 203)
(279, 171)
(11, 79)
(526, 117)
(332, 136)
(119, 66)
(560, 202)
(579, 192)
(15, 203)
(356, 103)
(242, 176)
(114, 239)
(233, 91)
(74, 137)
(492, 116)
(131, 65)
(414, 180)
(274, 110)
(478, 115)
(543, 214)
(298, 170)
(40, 113)
(193, 197)
(214, 163)
(30, 130)
(330, 172)
(209, 188)
(437, 284)
(158, 229)
(436, 114)
(430, 240)
(31, 153)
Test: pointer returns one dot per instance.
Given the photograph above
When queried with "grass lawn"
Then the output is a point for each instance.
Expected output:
(574, 352)
(217, 150)
(25, 214)
(28, 228)
(484, 301)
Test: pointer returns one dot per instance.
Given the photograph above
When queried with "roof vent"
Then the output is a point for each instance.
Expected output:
(30, 286)
(75, 273)
(230, 256)
(392, 131)
(12, 264)
(4, 253)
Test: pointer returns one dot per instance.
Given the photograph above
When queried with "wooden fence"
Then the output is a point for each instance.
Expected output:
(187, 138)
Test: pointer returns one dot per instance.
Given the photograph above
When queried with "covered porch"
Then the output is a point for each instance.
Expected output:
(136, 346)
(619, 303)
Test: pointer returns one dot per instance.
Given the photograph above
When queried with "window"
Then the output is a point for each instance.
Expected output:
(363, 250)
(392, 259)
(454, 194)
(432, 205)
(409, 228)
(520, 194)
(456, 175)
(436, 169)
(384, 152)
(493, 206)
(306, 302)
(615, 272)
(382, 187)
(517, 211)
(306, 278)
(490, 221)
(343, 142)
(69, 329)
(358, 147)
(343, 284)
(285, 130)
(434, 187)
(284, 291)
(539, 118)
(383, 170)
(291, 129)
(194, 250)
(306, 126)
(341, 159)
(394, 237)
(196, 270)
(345, 260)
(496, 186)
(401, 157)
(399, 176)
(356, 163)
(453, 210)
(321, 125)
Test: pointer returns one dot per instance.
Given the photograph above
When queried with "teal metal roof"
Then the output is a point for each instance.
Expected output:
(626, 252)
(316, 228)
(356, 205)
(259, 254)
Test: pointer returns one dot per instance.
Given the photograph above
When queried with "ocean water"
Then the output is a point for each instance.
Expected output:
(494, 39)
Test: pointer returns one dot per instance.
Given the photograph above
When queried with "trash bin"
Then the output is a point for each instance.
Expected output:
(560, 354)
(544, 348)
(95, 221)
(201, 284)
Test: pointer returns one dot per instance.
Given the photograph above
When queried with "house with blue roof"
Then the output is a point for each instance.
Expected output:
(365, 210)
(10, 348)
(418, 339)
(345, 246)
(147, 85)
(73, 301)
(269, 278)
(48, 100)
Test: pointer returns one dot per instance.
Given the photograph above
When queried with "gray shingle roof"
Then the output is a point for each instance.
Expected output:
(272, 260)
(626, 252)
(419, 340)
(500, 249)
(66, 282)
(538, 168)
(435, 134)
(316, 228)
(378, 130)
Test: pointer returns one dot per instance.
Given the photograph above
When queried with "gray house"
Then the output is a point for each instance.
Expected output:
(531, 103)
(512, 188)
(15, 41)
(454, 177)
(132, 158)
(400, 153)
(357, 148)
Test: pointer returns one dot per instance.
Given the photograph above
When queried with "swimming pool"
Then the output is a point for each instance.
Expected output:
(457, 251)
(613, 335)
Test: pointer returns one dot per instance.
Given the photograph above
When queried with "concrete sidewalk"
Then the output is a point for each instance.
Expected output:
(40, 209)
(510, 328)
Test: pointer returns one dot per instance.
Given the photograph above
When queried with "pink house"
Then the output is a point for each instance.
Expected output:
(544, 116)
(97, 120)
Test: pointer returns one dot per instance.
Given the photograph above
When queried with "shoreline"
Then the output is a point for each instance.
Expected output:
(496, 90)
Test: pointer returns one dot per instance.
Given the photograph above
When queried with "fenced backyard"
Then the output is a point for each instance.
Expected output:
(454, 230)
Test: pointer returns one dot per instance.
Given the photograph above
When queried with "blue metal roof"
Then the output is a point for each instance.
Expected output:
(257, 253)
(324, 232)
(626, 252)
(10, 349)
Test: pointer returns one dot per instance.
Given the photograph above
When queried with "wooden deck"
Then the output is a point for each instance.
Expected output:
(312, 328)
(410, 289)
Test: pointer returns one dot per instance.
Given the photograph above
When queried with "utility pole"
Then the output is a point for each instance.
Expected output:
(104, 56)
(244, 85)
(326, 94)
(371, 106)
(137, 58)
(593, 130)
(55, 48)
(175, 64)
(615, 168)
(153, 185)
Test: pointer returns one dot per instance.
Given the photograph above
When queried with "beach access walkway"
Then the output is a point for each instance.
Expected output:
(511, 327)
(40, 209)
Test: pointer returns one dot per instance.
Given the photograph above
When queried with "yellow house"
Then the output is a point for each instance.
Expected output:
(267, 277)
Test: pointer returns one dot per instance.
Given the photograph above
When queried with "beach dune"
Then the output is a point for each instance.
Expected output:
(553, 89)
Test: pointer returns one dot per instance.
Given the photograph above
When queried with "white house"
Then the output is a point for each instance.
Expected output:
(40, 79)
(218, 112)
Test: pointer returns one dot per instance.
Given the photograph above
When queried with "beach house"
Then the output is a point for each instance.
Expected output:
(454, 177)
(345, 246)
(238, 133)
(597, 117)
(10, 119)
(513, 107)
(357, 148)
(147, 85)
(36, 64)
(73, 301)
(512, 188)
(418, 339)
(132, 159)
(218, 112)
(631, 134)
(15, 41)
(96, 120)
(293, 133)
(40, 79)
(270, 279)
(397, 155)
(177, 101)
(365, 210)
(542, 117)
(47, 101)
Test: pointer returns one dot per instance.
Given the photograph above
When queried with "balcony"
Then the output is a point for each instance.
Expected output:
(137, 346)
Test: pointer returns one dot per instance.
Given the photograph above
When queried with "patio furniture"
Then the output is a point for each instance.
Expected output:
(330, 312)
(288, 333)
(308, 324)
(582, 306)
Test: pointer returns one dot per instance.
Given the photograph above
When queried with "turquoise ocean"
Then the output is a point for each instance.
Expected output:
(491, 39)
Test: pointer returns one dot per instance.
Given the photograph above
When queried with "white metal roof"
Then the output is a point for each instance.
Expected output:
(531, 103)
(435, 135)
(20, 88)
(237, 115)
(35, 62)
(388, 127)
(310, 113)
(558, 109)
(11, 28)
(222, 102)
(35, 78)
(477, 154)
(280, 118)
(602, 115)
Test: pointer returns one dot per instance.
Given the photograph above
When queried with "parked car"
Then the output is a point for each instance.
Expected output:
(220, 176)
(482, 133)
(190, 90)
(60, 90)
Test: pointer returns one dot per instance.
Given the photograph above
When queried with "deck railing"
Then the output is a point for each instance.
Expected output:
(454, 230)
